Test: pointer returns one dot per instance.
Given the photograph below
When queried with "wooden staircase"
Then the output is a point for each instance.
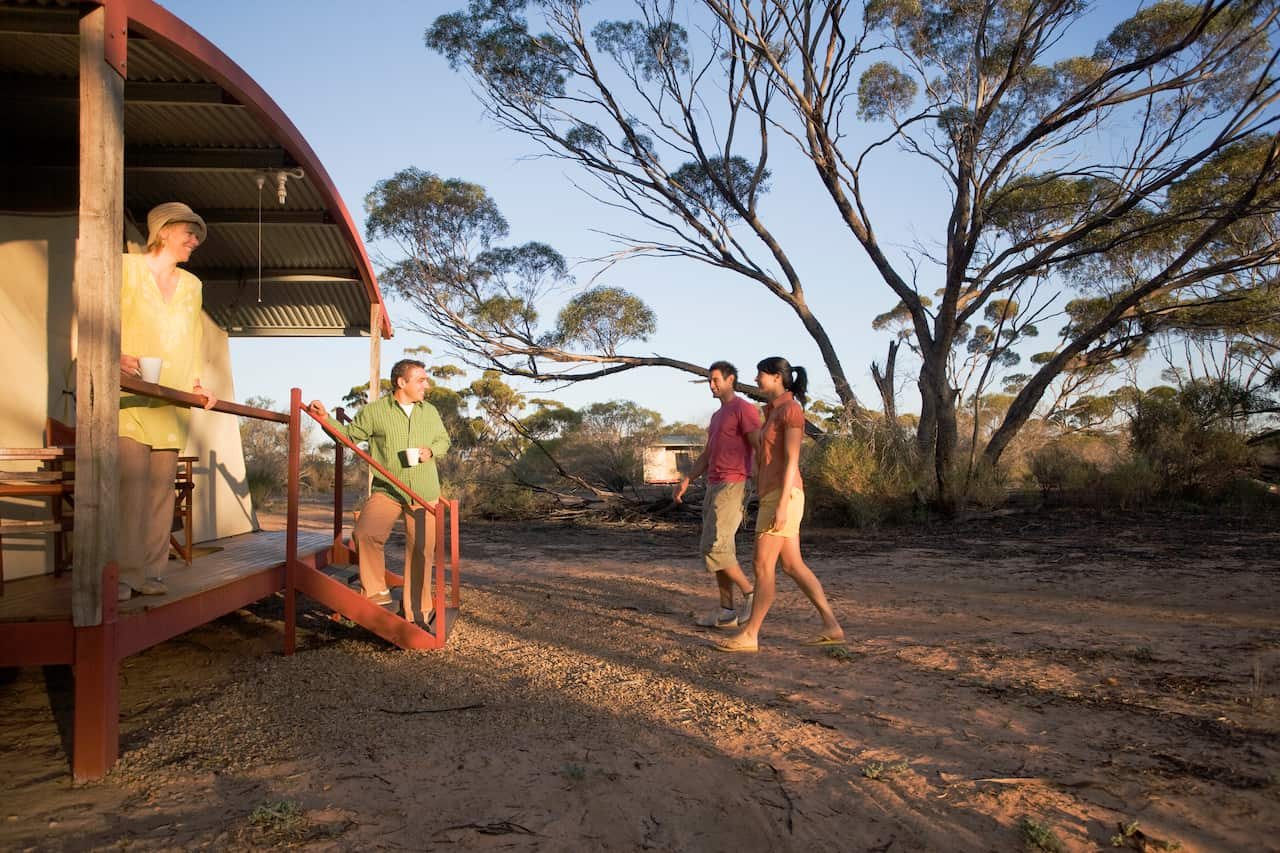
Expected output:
(334, 582)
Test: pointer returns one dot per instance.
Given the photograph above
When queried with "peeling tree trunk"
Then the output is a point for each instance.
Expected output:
(937, 435)
(884, 382)
(927, 429)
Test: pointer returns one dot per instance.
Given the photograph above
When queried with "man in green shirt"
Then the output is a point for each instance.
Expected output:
(405, 435)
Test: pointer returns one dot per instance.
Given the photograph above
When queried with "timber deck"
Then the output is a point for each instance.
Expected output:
(46, 598)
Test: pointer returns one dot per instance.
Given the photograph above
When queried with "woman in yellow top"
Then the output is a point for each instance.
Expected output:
(160, 317)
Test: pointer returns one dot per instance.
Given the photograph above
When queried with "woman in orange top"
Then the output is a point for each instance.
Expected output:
(781, 493)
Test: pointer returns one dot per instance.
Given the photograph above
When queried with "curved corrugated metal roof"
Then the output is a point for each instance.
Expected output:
(200, 130)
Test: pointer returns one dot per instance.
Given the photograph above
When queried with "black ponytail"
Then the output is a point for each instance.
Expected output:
(794, 379)
(800, 385)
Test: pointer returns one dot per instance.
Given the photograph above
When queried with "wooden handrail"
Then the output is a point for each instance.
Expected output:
(197, 401)
(367, 458)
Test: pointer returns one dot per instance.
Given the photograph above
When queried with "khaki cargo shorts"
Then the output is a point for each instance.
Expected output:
(721, 518)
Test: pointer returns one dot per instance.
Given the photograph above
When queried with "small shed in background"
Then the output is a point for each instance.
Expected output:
(671, 457)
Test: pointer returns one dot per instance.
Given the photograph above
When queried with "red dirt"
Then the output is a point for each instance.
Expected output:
(1059, 668)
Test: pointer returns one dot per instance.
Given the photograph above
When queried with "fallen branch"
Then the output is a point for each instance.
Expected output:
(791, 806)
(502, 827)
(432, 710)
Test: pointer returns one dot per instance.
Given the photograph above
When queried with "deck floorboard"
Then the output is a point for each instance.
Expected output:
(48, 599)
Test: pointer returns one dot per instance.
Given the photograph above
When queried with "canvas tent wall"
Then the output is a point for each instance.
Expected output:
(198, 129)
(37, 318)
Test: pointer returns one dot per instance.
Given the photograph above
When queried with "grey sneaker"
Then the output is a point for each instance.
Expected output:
(381, 599)
(721, 617)
(151, 586)
(744, 610)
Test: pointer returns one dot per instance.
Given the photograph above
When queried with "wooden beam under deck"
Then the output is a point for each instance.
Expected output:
(35, 613)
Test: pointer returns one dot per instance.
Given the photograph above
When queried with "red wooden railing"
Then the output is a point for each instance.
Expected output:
(444, 509)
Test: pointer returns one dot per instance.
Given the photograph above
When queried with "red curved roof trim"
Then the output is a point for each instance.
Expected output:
(161, 25)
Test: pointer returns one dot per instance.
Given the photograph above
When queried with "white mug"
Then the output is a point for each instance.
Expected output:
(411, 456)
(150, 368)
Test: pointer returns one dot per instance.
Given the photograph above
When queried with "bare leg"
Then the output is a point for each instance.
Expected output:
(768, 547)
(729, 578)
(794, 566)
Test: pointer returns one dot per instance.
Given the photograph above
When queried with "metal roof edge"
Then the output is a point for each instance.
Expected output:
(161, 25)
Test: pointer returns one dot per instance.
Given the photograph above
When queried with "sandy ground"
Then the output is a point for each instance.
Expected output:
(1054, 672)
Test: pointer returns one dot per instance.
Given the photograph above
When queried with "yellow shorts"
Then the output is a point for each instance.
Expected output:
(769, 507)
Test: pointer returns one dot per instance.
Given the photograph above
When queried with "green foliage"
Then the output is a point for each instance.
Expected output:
(1189, 439)
(602, 318)
(276, 814)
(646, 50)
(359, 395)
(266, 453)
(1130, 484)
(986, 486)
(493, 495)
(884, 92)
(985, 93)
(879, 769)
(416, 207)
(1058, 467)
(862, 478)
(1071, 471)
(722, 187)
(283, 822)
(494, 43)
(1039, 836)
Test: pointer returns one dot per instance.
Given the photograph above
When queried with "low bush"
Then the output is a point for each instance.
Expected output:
(1193, 448)
(861, 479)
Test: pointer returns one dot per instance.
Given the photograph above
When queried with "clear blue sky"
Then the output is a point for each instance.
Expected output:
(368, 96)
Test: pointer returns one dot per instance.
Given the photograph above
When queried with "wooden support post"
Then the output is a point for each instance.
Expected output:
(375, 364)
(339, 462)
(437, 559)
(291, 534)
(453, 548)
(96, 725)
(97, 293)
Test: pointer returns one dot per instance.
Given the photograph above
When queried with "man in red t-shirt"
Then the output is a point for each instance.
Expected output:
(726, 460)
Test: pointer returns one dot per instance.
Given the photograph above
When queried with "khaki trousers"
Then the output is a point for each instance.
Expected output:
(146, 510)
(377, 518)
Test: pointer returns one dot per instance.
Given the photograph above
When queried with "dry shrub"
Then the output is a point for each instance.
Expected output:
(496, 498)
(1188, 438)
(987, 487)
(1059, 468)
(862, 478)
(1130, 484)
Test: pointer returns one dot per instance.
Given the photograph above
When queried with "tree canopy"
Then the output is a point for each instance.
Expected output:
(1121, 190)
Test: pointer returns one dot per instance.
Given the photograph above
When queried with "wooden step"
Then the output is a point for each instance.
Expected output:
(36, 454)
(11, 526)
(385, 621)
(12, 490)
(34, 476)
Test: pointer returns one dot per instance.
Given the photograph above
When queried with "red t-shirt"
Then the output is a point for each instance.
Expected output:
(782, 414)
(728, 451)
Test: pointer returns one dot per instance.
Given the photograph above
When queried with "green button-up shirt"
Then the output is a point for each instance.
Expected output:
(388, 431)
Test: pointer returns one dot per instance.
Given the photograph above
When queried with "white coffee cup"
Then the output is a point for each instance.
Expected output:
(411, 456)
(150, 367)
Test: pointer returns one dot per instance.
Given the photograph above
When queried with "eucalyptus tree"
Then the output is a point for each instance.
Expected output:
(1138, 177)
(484, 301)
